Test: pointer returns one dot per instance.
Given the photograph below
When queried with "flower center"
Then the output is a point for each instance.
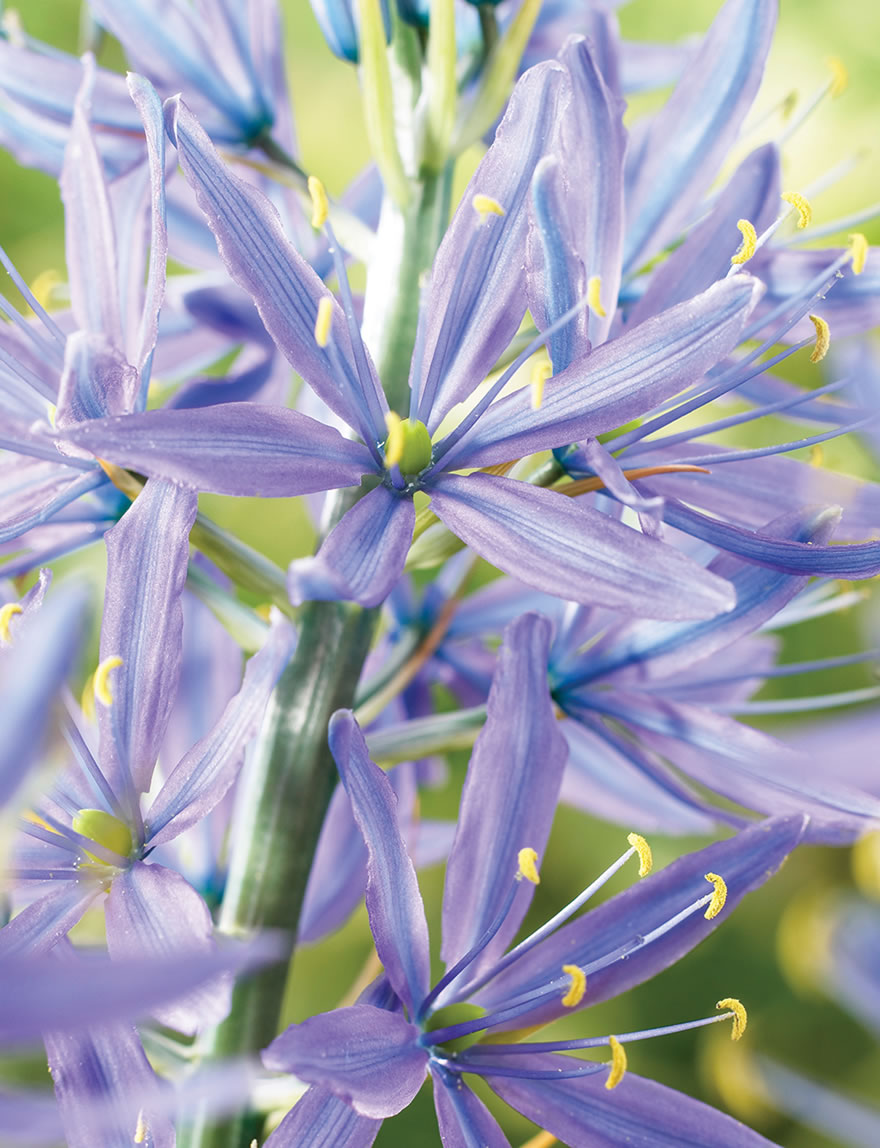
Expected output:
(408, 445)
(104, 829)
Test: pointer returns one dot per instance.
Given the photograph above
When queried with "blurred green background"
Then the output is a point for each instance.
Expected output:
(795, 1022)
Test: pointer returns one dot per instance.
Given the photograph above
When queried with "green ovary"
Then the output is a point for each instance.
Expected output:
(104, 829)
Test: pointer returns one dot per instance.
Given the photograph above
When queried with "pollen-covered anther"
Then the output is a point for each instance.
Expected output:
(320, 204)
(323, 320)
(749, 242)
(102, 679)
(527, 866)
(719, 896)
(7, 613)
(802, 205)
(738, 1014)
(839, 76)
(823, 339)
(541, 372)
(575, 992)
(485, 205)
(594, 291)
(858, 249)
(646, 857)
(618, 1063)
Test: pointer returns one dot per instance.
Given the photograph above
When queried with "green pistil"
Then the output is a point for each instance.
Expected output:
(408, 446)
(104, 829)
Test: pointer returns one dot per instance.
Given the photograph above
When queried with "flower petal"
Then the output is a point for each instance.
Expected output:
(365, 1055)
(574, 551)
(322, 1120)
(463, 1119)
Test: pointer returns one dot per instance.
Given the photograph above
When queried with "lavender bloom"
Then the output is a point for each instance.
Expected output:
(651, 926)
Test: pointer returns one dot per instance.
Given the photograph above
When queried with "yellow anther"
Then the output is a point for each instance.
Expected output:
(542, 1140)
(485, 205)
(858, 248)
(323, 320)
(394, 442)
(121, 479)
(817, 454)
(541, 372)
(646, 857)
(527, 860)
(823, 339)
(102, 674)
(719, 897)
(320, 206)
(740, 1017)
(839, 76)
(575, 992)
(749, 242)
(44, 288)
(594, 288)
(140, 1132)
(865, 863)
(7, 613)
(801, 205)
(618, 1063)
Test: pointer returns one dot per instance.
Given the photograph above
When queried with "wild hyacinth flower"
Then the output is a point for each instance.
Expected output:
(374, 1056)
(476, 304)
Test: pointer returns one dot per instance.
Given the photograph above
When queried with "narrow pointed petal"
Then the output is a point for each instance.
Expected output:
(262, 260)
(152, 911)
(618, 381)
(463, 1119)
(745, 862)
(508, 800)
(322, 1120)
(365, 1055)
(638, 1113)
(851, 307)
(394, 903)
(43, 923)
(147, 556)
(35, 490)
(96, 381)
(573, 551)
(230, 448)
(202, 778)
(89, 234)
(477, 300)
(692, 133)
(362, 558)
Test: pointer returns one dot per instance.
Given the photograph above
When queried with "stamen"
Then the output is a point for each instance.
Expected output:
(823, 339)
(527, 859)
(320, 206)
(7, 613)
(839, 76)
(594, 287)
(801, 205)
(102, 687)
(646, 858)
(121, 479)
(542, 1140)
(618, 1063)
(140, 1131)
(789, 104)
(749, 242)
(719, 897)
(541, 372)
(485, 205)
(858, 246)
(45, 287)
(578, 986)
(738, 1012)
(323, 320)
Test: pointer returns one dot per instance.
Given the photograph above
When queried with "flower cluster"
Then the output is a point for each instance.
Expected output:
(550, 459)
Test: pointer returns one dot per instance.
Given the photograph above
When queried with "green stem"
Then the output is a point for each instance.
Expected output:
(247, 568)
(406, 243)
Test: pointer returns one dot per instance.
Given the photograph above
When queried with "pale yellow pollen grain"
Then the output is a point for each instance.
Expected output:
(541, 372)
(7, 613)
(823, 339)
(485, 205)
(323, 320)
(527, 861)
(858, 247)
(618, 1063)
(740, 1016)
(719, 896)
(646, 857)
(749, 242)
(320, 204)
(102, 675)
(575, 992)
(802, 205)
(594, 291)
